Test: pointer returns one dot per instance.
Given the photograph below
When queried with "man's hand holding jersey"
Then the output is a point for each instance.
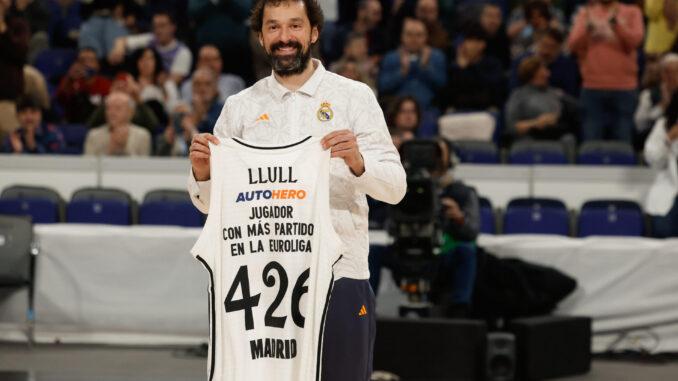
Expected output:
(199, 152)
(343, 143)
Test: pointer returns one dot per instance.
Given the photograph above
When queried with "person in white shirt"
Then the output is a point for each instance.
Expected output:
(176, 57)
(228, 84)
(661, 152)
(301, 98)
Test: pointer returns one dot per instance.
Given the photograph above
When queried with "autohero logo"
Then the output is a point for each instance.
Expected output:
(271, 175)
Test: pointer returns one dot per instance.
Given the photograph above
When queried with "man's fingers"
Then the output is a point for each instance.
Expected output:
(199, 155)
(333, 137)
(340, 138)
(200, 148)
(213, 139)
(344, 146)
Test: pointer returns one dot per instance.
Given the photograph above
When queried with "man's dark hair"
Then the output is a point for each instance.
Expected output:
(313, 11)
(28, 101)
(475, 32)
(553, 33)
(538, 6)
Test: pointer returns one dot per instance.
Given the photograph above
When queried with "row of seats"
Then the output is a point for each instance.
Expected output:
(550, 216)
(548, 152)
(174, 207)
(101, 205)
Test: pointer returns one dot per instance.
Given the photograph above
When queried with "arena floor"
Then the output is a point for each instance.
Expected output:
(105, 363)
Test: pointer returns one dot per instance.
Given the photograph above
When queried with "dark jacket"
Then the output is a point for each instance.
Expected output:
(14, 48)
(467, 199)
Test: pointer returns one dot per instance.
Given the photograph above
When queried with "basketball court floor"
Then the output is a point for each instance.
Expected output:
(106, 363)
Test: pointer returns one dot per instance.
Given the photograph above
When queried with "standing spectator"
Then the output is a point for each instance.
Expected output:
(662, 25)
(563, 68)
(228, 84)
(188, 121)
(105, 25)
(118, 136)
(661, 152)
(653, 101)
(475, 81)
(82, 88)
(222, 23)
(535, 110)
(427, 11)
(33, 136)
(498, 43)
(403, 118)
(605, 37)
(176, 57)
(414, 68)
(14, 35)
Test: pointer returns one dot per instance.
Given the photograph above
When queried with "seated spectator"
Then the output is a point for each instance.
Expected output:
(176, 57)
(537, 18)
(403, 119)
(118, 137)
(228, 84)
(82, 88)
(414, 68)
(103, 27)
(517, 23)
(187, 121)
(350, 68)
(661, 152)
(143, 115)
(548, 46)
(368, 17)
(535, 110)
(156, 90)
(498, 43)
(36, 85)
(427, 11)
(14, 36)
(653, 101)
(454, 271)
(475, 81)
(33, 136)
(662, 22)
(605, 37)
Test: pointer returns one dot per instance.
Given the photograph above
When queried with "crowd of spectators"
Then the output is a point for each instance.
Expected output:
(542, 69)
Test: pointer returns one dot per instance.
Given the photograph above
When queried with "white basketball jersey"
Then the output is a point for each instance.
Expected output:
(269, 247)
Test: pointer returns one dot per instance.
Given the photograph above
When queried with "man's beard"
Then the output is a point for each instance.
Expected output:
(290, 65)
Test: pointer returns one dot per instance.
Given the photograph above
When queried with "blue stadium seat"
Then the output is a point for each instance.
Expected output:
(538, 152)
(611, 217)
(536, 216)
(54, 63)
(114, 212)
(180, 213)
(42, 211)
(606, 153)
(75, 135)
(486, 216)
(478, 152)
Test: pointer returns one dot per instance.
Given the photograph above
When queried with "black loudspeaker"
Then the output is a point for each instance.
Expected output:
(430, 349)
(500, 359)
(552, 346)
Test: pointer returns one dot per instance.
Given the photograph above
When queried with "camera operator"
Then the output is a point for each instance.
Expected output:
(453, 271)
